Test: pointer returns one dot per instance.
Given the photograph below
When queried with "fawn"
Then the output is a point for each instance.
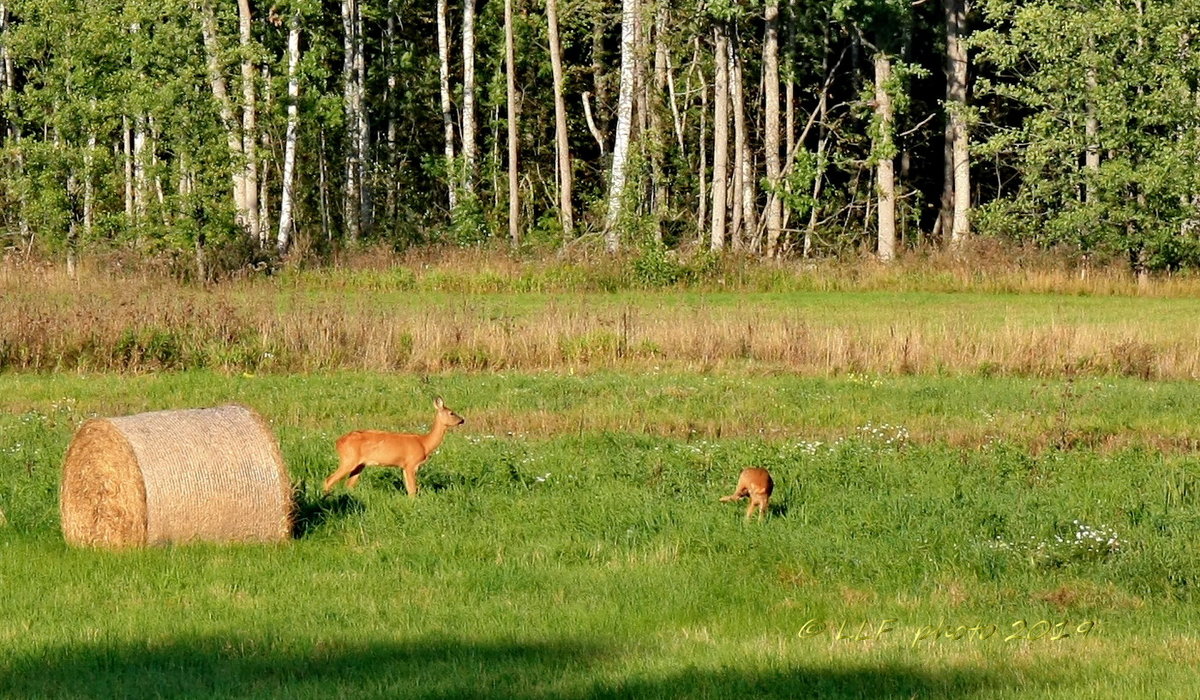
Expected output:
(362, 448)
(757, 484)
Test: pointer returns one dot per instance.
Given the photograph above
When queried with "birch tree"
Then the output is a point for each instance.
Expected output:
(957, 188)
(883, 153)
(220, 91)
(6, 71)
(616, 189)
(720, 136)
(283, 238)
(562, 144)
(745, 191)
(514, 203)
(468, 99)
(774, 213)
(249, 124)
(443, 36)
(355, 118)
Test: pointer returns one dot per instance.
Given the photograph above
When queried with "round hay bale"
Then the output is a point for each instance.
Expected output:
(211, 474)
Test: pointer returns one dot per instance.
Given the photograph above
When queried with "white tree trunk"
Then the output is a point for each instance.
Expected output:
(447, 107)
(249, 123)
(220, 90)
(1091, 131)
(89, 192)
(616, 188)
(127, 153)
(352, 99)
(677, 119)
(810, 232)
(654, 107)
(139, 149)
(6, 70)
(746, 192)
(789, 96)
(468, 107)
(362, 140)
(139, 169)
(514, 200)
(283, 238)
(720, 138)
(562, 144)
(956, 102)
(702, 180)
(591, 123)
(885, 170)
(771, 124)
(153, 135)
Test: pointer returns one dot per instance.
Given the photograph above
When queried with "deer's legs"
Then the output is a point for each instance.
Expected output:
(410, 480)
(345, 468)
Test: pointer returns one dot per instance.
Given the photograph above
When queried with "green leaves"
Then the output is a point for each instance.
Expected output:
(1107, 123)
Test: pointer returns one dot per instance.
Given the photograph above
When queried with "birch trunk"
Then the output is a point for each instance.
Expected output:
(1091, 132)
(677, 119)
(468, 117)
(958, 183)
(702, 180)
(616, 189)
(514, 202)
(249, 123)
(562, 144)
(139, 143)
(323, 189)
(283, 238)
(264, 171)
(884, 169)
(89, 192)
(6, 69)
(810, 231)
(598, 66)
(720, 137)
(747, 193)
(352, 104)
(789, 97)
(447, 107)
(127, 154)
(654, 107)
(139, 169)
(771, 124)
(362, 141)
(389, 96)
(163, 213)
(220, 91)
(72, 230)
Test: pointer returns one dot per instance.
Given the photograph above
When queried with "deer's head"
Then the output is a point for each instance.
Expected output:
(445, 416)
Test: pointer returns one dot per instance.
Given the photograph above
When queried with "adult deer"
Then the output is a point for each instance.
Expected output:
(756, 483)
(362, 448)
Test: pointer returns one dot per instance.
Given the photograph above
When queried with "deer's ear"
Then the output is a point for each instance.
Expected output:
(438, 403)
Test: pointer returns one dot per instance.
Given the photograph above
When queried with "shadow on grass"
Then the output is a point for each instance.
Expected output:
(439, 668)
(312, 511)
(431, 481)
(258, 668)
(882, 682)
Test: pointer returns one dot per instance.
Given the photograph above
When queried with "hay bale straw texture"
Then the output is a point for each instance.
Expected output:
(210, 474)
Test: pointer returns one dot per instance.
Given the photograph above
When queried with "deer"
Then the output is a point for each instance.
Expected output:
(756, 483)
(359, 449)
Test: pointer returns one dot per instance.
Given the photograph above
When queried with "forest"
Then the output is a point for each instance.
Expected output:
(215, 135)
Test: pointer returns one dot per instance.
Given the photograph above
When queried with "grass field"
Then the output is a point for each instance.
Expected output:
(932, 535)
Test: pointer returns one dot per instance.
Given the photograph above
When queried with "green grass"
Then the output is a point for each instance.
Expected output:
(568, 543)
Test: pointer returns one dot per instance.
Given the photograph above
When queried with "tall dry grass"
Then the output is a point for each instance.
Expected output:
(419, 313)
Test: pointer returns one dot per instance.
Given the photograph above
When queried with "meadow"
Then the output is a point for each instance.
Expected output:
(964, 530)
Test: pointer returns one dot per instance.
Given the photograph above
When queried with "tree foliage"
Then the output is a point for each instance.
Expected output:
(1085, 116)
